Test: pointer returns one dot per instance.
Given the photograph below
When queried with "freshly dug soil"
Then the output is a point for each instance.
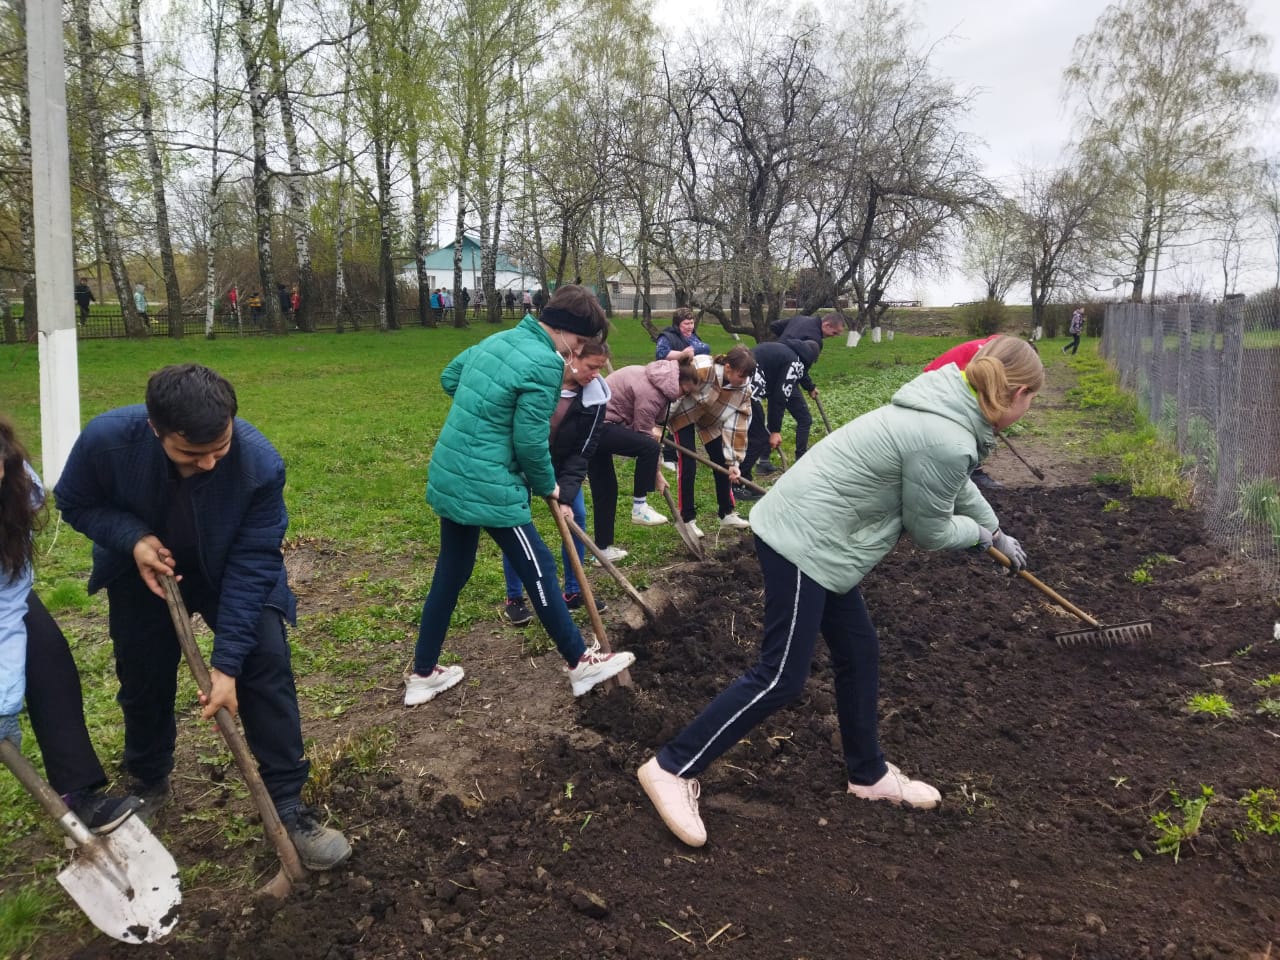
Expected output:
(509, 823)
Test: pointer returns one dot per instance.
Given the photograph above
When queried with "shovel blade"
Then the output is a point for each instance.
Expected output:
(126, 883)
(1135, 631)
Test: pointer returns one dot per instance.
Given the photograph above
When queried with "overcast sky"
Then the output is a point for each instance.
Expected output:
(1013, 55)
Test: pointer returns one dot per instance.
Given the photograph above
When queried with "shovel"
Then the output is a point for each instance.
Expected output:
(291, 868)
(706, 461)
(691, 539)
(1097, 634)
(125, 881)
(1039, 474)
(622, 679)
(613, 571)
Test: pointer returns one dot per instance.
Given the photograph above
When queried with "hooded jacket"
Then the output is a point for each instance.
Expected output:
(575, 440)
(800, 328)
(641, 394)
(901, 468)
(493, 447)
(780, 365)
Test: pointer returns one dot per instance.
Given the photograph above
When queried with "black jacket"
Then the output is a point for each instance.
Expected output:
(780, 365)
(576, 437)
(800, 328)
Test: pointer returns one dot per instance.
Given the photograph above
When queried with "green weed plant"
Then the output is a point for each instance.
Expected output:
(1184, 824)
(1212, 704)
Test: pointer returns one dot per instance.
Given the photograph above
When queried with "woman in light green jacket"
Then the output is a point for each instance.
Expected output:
(903, 468)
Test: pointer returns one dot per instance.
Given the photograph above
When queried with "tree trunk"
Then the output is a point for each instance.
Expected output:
(173, 294)
(341, 303)
(531, 194)
(211, 292)
(104, 217)
(26, 215)
(298, 220)
(387, 319)
(419, 230)
(272, 318)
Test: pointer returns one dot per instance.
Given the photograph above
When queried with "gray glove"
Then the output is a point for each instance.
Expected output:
(10, 729)
(1010, 547)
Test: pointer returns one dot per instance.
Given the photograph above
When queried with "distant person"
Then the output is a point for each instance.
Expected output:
(825, 524)
(255, 308)
(35, 661)
(84, 297)
(1076, 328)
(286, 302)
(466, 299)
(526, 301)
(538, 299)
(493, 454)
(511, 301)
(295, 303)
(140, 302)
(183, 487)
(233, 300)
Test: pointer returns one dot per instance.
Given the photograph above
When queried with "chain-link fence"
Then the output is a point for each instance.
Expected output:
(1208, 376)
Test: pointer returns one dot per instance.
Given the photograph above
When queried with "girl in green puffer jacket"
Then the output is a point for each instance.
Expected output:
(903, 468)
(492, 454)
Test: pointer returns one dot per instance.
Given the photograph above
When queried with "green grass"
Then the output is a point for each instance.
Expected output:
(24, 913)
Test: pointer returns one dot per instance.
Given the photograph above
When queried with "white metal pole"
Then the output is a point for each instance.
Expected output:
(55, 268)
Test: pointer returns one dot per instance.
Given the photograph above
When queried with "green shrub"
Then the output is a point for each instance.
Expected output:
(985, 317)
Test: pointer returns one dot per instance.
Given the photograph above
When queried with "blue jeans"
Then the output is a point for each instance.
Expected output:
(515, 589)
(535, 568)
(796, 608)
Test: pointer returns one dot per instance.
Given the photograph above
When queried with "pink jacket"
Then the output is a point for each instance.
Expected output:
(640, 395)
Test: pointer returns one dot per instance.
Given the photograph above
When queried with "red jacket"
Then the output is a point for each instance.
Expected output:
(960, 354)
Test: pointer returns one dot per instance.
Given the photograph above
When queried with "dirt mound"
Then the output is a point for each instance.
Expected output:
(1051, 762)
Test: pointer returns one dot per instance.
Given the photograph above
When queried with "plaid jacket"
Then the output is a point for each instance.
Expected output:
(716, 409)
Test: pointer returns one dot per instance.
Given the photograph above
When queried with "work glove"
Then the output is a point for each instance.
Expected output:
(10, 730)
(1010, 547)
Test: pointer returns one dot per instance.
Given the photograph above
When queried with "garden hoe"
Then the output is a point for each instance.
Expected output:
(1039, 474)
(622, 679)
(125, 881)
(1097, 634)
(291, 868)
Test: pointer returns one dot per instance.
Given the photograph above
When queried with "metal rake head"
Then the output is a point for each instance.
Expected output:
(1136, 631)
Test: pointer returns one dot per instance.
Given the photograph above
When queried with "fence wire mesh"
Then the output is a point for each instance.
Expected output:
(1208, 377)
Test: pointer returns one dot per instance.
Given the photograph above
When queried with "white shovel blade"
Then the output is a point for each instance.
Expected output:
(127, 884)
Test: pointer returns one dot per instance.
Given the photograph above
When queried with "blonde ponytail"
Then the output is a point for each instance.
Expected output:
(999, 369)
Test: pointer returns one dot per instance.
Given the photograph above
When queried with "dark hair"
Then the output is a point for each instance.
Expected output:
(21, 508)
(688, 372)
(582, 304)
(681, 314)
(594, 348)
(739, 359)
(190, 400)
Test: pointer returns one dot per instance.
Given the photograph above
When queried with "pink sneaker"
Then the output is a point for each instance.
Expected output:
(898, 788)
(676, 800)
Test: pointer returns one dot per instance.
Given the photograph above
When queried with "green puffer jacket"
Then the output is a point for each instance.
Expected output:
(903, 467)
(493, 447)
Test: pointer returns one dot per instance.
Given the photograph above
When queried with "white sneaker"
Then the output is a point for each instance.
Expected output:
(646, 516)
(735, 522)
(898, 788)
(419, 689)
(695, 529)
(676, 800)
(596, 667)
(612, 554)
(669, 465)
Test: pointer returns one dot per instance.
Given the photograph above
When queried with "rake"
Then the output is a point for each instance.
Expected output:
(1097, 634)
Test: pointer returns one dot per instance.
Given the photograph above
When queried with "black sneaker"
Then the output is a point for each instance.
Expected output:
(574, 601)
(742, 493)
(985, 481)
(100, 812)
(152, 797)
(516, 612)
(764, 468)
(319, 847)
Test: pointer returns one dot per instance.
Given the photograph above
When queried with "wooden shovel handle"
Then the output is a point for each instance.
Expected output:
(47, 797)
(1048, 591)
(612, 570)
(825, 422)
(707, 462)
(271, 824)
(588, 598)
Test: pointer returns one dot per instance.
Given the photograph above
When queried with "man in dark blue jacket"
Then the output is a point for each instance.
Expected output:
(183, 487)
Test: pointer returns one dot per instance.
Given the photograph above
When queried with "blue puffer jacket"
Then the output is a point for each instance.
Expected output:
(115, 490)
(493, 448)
